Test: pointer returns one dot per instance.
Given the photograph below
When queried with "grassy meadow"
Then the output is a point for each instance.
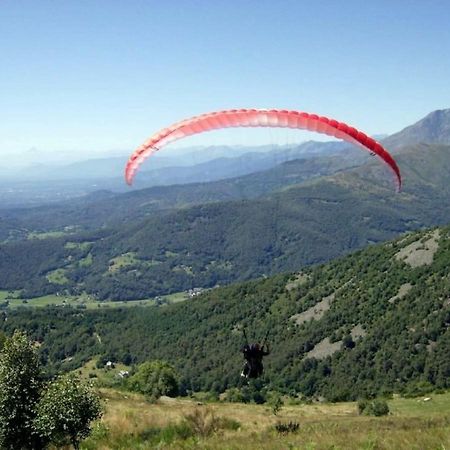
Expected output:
(131, 422)
(84, 300)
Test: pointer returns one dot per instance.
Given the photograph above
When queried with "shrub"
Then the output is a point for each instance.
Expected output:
(376, 407)
(203, 421)
(286, 428)
(362, 405)
(234, 395)
(155, 378)
(275, 402)
(417, 389)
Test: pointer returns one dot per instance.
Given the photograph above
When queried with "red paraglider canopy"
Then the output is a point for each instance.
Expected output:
(257, 118)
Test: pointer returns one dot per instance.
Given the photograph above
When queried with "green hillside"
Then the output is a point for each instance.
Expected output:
(372, 322)
(224, 242)
(106, 209)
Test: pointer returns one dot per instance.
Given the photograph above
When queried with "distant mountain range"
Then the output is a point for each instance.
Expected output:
(105, 208)
(40, 184)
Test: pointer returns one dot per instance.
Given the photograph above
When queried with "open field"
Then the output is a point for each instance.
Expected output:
(46, 235)
(131, 422)
(86, 301)
(4, 295)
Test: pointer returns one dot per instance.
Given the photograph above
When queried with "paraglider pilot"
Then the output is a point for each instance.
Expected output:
(254, 354)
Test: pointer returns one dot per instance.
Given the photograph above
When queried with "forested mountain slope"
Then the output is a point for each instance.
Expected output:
(372, 322)
(223, 242)
(316, 159)
(107, 209)
(167, 239)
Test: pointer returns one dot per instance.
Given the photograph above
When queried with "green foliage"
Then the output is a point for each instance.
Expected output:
(275, 402)
(376, 407)
(2, 340)
(384, 343)
(20, 385)
(234, 395)
(221, 242)
(250, 393)
(155, 378)
(33, 415)
(205, 397)
(417, 388)
(66, 410)
(362, 405)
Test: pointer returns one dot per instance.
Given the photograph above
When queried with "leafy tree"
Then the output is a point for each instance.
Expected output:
(66, 410)
(155, 378)
(20, 386)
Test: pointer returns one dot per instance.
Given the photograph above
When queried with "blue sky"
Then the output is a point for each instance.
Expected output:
(98, 75)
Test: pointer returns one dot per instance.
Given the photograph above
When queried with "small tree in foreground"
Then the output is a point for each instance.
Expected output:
(33, 415)
(19, 391)
(66, 410)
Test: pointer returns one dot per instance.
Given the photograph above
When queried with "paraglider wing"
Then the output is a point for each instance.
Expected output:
(257, 118)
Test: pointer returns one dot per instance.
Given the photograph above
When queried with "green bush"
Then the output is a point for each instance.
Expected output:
(376, 407)
(34, 414)
(417, 388)
(234, 395)
(275, 402)
(362, 405)
(154, 379)
(20, 386)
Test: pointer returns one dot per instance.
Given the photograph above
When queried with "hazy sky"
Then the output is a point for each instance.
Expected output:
(103, 75)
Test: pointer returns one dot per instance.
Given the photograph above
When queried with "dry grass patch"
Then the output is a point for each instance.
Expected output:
(420, 252)
(403, 290)
(133, 423)
(315, 312)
